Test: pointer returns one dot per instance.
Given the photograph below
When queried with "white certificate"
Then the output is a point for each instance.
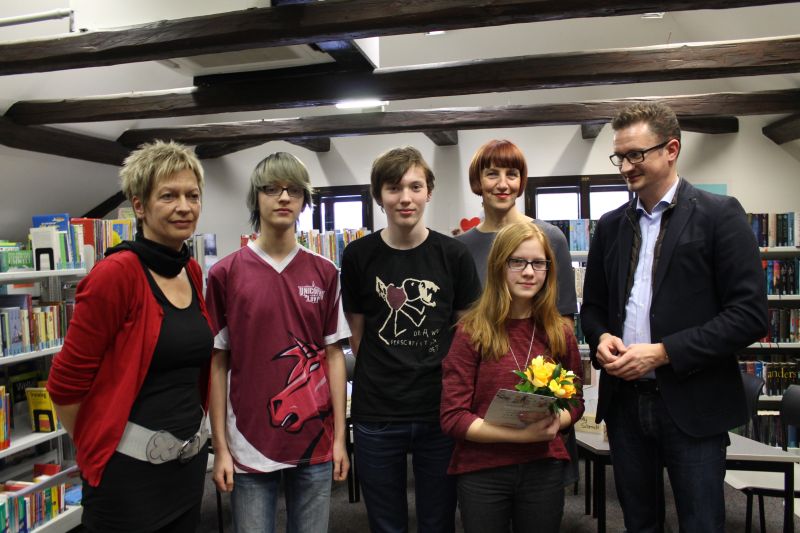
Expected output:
(508, 404)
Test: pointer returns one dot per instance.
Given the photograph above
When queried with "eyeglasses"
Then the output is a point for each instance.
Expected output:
(274, 190)
(634, 156)
(517, 264)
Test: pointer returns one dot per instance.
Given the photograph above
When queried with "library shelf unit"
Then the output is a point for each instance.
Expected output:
(24, 438)
(29, 276)
(66, 521)
(579, 256)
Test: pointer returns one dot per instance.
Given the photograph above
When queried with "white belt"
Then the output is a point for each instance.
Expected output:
(160, 446)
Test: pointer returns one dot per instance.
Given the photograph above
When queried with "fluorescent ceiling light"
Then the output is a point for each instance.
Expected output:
(434, 33)
(360, 104)
(654, 15)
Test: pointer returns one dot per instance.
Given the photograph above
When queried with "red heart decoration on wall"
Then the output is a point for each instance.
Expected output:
(469, 223)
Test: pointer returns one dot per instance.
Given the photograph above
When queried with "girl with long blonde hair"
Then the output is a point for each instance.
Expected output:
(507, 475)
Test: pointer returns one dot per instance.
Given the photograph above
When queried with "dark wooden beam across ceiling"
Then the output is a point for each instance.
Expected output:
(54, 141)
(443, 137)
(784, 130)
(315, 144)
(694, 106)
(576, 69)
(712, 125)
(214, 150)
(590, 130)
(315, 22)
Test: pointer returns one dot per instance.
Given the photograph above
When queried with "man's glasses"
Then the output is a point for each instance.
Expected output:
(634, 156)
(274, 190)
(517, 264)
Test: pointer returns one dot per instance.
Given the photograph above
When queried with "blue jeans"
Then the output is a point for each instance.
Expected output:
(381, 455)
(522, 497)
(254, 499)
(644, 439)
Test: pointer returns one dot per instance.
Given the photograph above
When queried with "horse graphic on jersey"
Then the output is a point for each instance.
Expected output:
(306, 388)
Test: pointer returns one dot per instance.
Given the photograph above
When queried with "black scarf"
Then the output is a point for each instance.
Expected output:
(161, 259)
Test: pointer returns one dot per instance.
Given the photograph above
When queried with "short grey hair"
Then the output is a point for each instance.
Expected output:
(152, 162)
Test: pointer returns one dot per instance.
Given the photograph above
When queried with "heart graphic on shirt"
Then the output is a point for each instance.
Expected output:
(395, 296)
(469, 223)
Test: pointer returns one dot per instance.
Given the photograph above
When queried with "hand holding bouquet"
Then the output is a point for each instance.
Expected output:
(547, 378)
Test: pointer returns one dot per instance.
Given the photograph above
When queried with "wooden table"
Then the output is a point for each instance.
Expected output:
(742, 454)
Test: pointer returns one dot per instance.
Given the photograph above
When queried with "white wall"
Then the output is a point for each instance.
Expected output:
(762, 175)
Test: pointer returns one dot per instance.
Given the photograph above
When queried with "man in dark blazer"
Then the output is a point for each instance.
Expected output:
(673, 289)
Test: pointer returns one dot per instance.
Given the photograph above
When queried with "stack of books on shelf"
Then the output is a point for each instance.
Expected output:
(58, 242)
(25, 505)
(781, 275)
(578, 232)
(25, 327)
(330, 244)
(783, 325)
(14, 257)
(777, 371)
(5, 418)
(766, 428)
(776, 229)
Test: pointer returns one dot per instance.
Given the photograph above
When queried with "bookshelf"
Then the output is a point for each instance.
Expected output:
(28, 276)
(22, 437)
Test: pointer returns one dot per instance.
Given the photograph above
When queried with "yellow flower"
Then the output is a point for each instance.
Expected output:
(558, 391)
(569, 390)
(540, 371)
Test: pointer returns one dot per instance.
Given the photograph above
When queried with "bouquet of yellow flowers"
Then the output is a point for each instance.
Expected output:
(547, 378)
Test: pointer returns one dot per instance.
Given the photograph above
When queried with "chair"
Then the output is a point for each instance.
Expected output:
(753, 385)
(769, 483)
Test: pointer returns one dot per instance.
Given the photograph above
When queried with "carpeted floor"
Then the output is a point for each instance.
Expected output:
(352, 517)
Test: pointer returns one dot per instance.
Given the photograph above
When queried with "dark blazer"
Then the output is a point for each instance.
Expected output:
(709, 301)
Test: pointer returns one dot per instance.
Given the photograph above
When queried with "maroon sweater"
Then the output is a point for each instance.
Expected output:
(469, 385)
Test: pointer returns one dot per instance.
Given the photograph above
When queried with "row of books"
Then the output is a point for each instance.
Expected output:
(766, 428)
(21, 514)
(25, 327)
(776, 229)
(60, 242)
(784, 325)
(578, 232)
(782, 275)
(330, 244)
(778, 372)
(5, 418)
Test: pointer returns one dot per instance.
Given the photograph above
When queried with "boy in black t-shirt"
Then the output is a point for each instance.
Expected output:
(403, 288)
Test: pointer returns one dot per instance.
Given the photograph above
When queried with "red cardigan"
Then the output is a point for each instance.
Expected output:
(468, 386)
(107, 352)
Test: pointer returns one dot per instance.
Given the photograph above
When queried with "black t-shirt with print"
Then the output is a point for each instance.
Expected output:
(409, 299)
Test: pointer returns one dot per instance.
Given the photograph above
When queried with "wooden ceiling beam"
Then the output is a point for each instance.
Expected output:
(590, 130)
(215, 150)
(315, 22)
(694, 106)
(315, 144)
(711, 125)
(54, 141)
(784, 130)
(443, 137)
(346, 54)
(549, 71)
